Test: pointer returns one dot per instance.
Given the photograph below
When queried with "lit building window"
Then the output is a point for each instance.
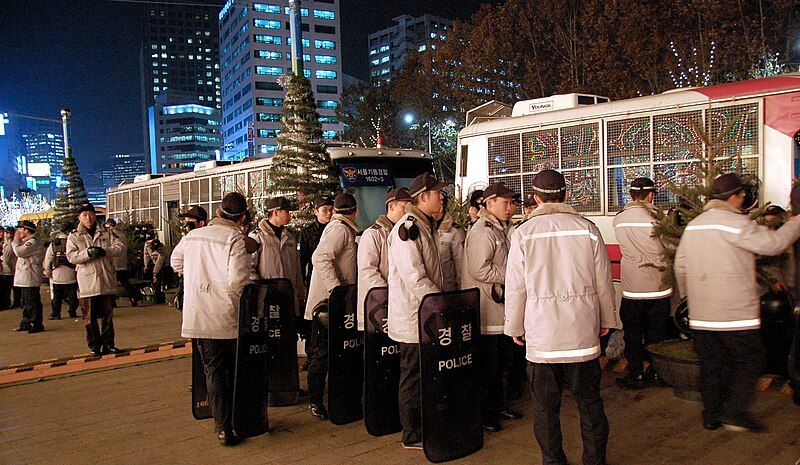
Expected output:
(384, 48)
(269, 70)
(303, 11)
(265, 39)
(306, 42)
(422, 48)
(326, 44)
(324, 119)
(325, 74)
(325, 59)
(373, 52)
(324, 14)
(331, 104)
(267, 23)
(385, 59)
(266, 8)
(268, 55)
(330, 134)
(376, 62)
(268, 148)
(307, 73)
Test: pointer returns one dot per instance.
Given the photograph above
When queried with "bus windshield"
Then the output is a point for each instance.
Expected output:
(370, 178)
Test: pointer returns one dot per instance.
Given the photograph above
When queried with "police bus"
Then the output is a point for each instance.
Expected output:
(601, 145)
(158, 199)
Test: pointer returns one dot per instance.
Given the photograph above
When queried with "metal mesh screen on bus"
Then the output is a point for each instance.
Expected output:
(504, 155)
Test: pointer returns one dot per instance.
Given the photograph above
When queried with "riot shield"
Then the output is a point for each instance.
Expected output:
(200, 408)
(252, 358)
(449, 328)
(382, 367)
(284, 379)
(345, 357)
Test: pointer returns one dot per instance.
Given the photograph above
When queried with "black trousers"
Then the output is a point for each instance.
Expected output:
(794, 356)
(16, 300)
(318, 369)
(31, 300)
(491, 373)
(516, 368)
(98, 316)
(644, 322)
(409, 394)
(124, 280)
(62, 292)
(547, 385)
(219, 364)
(6, 283)
(730, 365)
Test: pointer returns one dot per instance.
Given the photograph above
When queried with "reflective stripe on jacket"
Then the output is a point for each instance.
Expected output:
(633, 227)
(715, 266)
(334, 261)
(216, 268)
(96, 276)
(414, 271)
(373, 262)
(559, 289)
(486, 253)
(279, 258)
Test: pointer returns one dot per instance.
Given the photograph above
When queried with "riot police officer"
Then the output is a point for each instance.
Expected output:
(414, 271)
(62, 275)
(645, 304)
(559, 302)
(715, 268)
(28, 275)
(335, 263)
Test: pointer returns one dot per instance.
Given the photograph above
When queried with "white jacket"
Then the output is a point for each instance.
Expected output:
(96, 276)
(334, 261)
(633, 227)
(414, 271)
(451, 253)
(28, 271)
(373, 262)
(486, 252)
(559, 289)
(216, 268)
(58, 274)
(154, 255)
(9, 259)
(279, 259)
(121, 261)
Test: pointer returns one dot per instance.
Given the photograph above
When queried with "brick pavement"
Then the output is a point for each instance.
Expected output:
(141, 415)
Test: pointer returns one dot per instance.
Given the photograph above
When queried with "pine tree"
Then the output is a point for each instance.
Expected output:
(301, 168)
(71, 196)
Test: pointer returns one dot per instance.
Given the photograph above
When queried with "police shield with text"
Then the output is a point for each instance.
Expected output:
(345, 357)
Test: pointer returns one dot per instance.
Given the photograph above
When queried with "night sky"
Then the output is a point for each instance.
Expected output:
(84, 54)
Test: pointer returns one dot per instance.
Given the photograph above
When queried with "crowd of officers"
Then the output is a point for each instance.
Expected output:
(83, 265)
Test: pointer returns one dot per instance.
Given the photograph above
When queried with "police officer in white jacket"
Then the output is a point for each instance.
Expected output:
(559, 302)
(278, 256)
(335, 263)
(216, 267)
(9, 262)
(373, 250)
(121, 264)
(62, 275)
(414, 271)
(486, 252)
(645, 307)
(92, 249)
(715, 268)
(28, 276)
(451, 249)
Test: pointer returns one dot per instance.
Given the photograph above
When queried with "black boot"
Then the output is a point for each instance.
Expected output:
(632, 381)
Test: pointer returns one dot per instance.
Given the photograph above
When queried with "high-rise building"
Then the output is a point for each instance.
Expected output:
(388, 48)
(44, 158)
(180, 53)
(125, 167)
(255, 54)
(182, 135)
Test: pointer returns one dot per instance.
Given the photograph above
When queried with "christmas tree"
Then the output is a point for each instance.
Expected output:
(71, 196)
(301, 168)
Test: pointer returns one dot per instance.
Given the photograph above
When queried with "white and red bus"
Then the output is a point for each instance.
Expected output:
(601, 145)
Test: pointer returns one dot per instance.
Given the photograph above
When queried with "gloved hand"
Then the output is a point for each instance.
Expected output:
(96, 252)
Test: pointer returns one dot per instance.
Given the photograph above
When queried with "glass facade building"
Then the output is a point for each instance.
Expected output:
(182, 135)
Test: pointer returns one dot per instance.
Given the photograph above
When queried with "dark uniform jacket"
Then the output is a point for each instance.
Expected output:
(309, 240)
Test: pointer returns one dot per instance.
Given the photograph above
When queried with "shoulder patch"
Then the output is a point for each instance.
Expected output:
(409, 229)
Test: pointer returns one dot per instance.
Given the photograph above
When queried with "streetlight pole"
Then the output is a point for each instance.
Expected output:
(65, 114)
(430, 141)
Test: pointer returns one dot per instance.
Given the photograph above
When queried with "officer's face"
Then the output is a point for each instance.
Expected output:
(324, 213)
(281, 217)
(87, 219)
(502, 208)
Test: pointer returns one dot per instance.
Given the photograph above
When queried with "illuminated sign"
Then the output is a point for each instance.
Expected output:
(39, 170)
(190, 108)
(3, 121)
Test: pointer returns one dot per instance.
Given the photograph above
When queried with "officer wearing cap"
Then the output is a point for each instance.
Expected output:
(277, 256)
(335, 263)
(194, 217)
(645, 305)
(451, 248)
(528, 206)
(715, 268)
(63, 279)
(7, 273)
(121, 263)
(154, 255)
(559, 302)
(216, 267)
(373, 255)
(92, 250)
(309, 236)
(414, 271)
(28, 276)
(486, 252)
(475, 201)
